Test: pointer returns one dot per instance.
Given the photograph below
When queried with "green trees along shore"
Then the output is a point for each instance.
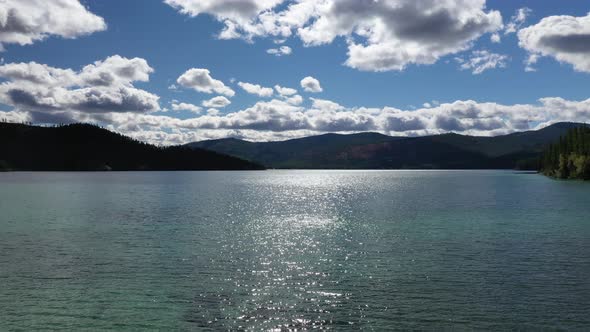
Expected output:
(569, 158)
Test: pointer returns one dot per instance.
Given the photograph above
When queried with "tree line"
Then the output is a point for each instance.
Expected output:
(569, 158)
(85, 147)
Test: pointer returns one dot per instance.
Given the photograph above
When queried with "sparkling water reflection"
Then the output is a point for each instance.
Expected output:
(287, 250)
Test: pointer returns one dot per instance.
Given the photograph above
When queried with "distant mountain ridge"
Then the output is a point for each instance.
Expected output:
(377, 151)
(82, 147)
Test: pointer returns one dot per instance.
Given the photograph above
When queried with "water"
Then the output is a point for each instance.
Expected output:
(343, 250)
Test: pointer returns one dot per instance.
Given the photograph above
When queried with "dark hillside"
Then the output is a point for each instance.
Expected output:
(82, 147)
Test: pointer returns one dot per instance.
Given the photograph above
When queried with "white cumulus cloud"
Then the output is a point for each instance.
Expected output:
(278, 119)
(217, 102)
(381, 35)
(256, 89)
(311, 84)
(326, 105)
(283, 91)
(25, 21)
(49, 94)
(294, 100)
(186, 107)
(234, 11)
(565, 38)
(199, 79)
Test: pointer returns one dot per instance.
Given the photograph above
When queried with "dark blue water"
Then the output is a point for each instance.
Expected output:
(343, 250)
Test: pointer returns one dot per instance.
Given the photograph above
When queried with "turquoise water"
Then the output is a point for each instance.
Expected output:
(343, 250)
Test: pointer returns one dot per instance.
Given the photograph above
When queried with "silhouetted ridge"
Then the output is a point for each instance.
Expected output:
(83, 147)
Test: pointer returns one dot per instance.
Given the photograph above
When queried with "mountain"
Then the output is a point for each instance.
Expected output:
(377, 151)
(527, 141)
(298, 153)
(81, 147)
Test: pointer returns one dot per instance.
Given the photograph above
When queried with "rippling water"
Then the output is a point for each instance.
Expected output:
(341, 250)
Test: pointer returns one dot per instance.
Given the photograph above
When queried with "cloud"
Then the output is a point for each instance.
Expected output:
(256, 89)
(294, 100)
(217, 102)
(480, 61)
(283, 50)
(495, 38)
(14, 117)
(285, 91)
(213, 112)
(186, 107)
(530, 63)
(200, 80)
(289, 95)
(382, 35)
(326, 105)
(39, 74)
(96, 99)
(565, 38)
(25, 21)
(113, 71)
(460, 116)
(105, 86)
(277, 119)
(311, 84)
(399, 33)
(236, 11)
(116, 70)
(517, 20)
(263, 115)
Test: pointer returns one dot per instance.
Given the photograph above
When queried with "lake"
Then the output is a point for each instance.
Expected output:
(343, 250)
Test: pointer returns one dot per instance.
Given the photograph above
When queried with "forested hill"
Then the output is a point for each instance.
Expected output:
(82, 147)
(520, 150)
(569, 158)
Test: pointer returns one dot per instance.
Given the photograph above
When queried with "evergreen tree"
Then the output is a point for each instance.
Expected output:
(569, 158)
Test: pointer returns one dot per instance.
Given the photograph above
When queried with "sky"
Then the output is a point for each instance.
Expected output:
(177, 71)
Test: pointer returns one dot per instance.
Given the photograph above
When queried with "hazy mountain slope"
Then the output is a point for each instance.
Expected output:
(527, 141)
(371, 150)
(297, 153)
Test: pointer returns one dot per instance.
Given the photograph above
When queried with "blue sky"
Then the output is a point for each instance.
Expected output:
(172, 40)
